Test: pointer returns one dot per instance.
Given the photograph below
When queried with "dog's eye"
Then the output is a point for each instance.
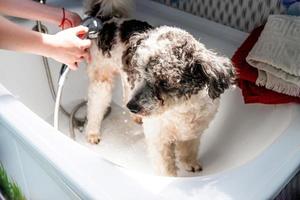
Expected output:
(163, 84)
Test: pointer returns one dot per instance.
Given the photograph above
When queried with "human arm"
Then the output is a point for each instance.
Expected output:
(64, 46)
(30, 9)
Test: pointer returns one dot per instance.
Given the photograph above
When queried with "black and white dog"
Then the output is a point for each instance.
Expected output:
(170, 81)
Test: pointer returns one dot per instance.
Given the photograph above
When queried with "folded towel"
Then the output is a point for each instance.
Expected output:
(276, 55)
(248, 76)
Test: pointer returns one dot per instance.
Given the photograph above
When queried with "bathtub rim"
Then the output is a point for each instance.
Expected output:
(45, 159)
(237, 174)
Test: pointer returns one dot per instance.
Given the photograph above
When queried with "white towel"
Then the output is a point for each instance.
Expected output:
(276, 55)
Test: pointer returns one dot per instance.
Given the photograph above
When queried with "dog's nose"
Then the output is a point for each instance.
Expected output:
(134, 107)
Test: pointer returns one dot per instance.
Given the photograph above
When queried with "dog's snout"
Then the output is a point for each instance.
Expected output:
(134, 107)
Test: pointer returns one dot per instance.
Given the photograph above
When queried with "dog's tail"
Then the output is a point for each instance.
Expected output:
(106, 9)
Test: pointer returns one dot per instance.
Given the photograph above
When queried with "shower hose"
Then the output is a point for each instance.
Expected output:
(74, 122)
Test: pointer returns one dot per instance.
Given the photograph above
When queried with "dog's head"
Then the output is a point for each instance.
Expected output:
(166, 66)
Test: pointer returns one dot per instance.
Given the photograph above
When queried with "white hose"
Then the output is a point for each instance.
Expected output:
(58, 96)
(94, 25)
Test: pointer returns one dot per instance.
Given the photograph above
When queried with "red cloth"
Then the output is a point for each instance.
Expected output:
(248, 75)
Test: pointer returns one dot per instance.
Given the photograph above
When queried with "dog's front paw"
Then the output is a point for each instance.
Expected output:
(192, 167)
(93, 138)
(137, 119)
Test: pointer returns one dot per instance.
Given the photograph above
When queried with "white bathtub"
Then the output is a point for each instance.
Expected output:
(248, 152)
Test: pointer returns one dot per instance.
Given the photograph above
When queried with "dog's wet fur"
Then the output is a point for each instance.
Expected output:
(170, 81)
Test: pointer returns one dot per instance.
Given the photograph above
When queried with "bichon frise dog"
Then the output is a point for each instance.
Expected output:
(170, 81)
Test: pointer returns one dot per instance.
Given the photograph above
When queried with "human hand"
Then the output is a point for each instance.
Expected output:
(66, 46)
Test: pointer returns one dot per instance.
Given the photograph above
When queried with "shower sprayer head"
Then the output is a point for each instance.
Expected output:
(94, 25)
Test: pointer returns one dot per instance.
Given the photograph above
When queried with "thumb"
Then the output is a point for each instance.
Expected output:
(84, 44)
(80, 30)
(73, 66)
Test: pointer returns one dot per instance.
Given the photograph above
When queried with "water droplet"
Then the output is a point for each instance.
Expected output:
(124, 113)
(125, 121)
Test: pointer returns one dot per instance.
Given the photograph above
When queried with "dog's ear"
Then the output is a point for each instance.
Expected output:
(218, 75)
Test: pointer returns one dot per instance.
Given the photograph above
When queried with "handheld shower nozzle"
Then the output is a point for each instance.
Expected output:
(94, 25)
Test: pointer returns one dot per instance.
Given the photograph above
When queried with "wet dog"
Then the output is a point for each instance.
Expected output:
(170, 81)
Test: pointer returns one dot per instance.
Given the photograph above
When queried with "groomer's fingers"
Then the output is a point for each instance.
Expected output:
(73, 66)
(68, 47)
(84, 44)
(79, 60)
(87, 56)
(79, 30)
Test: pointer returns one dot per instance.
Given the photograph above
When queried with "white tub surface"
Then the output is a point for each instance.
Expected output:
(248, 152)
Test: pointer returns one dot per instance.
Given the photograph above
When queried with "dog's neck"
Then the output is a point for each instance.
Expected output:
(120, 30)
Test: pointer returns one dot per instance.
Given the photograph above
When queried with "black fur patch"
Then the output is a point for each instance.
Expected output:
(105, 18)
(130, 27)
(106, 38)
(199, 76)
(94, 10)
(219, 83)
(194, 79)
(128, 67)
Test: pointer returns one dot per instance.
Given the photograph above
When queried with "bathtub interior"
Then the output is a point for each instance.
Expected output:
(238, 133)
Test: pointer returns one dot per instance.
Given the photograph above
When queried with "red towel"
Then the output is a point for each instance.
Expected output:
(248, 75)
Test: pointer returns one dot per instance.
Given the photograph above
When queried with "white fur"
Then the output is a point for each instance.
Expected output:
(181, 125)
(173, 132)
(101, 74)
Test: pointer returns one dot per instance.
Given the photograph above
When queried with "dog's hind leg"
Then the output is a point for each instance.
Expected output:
(137, 119)
(99, 98)
(187, 153)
